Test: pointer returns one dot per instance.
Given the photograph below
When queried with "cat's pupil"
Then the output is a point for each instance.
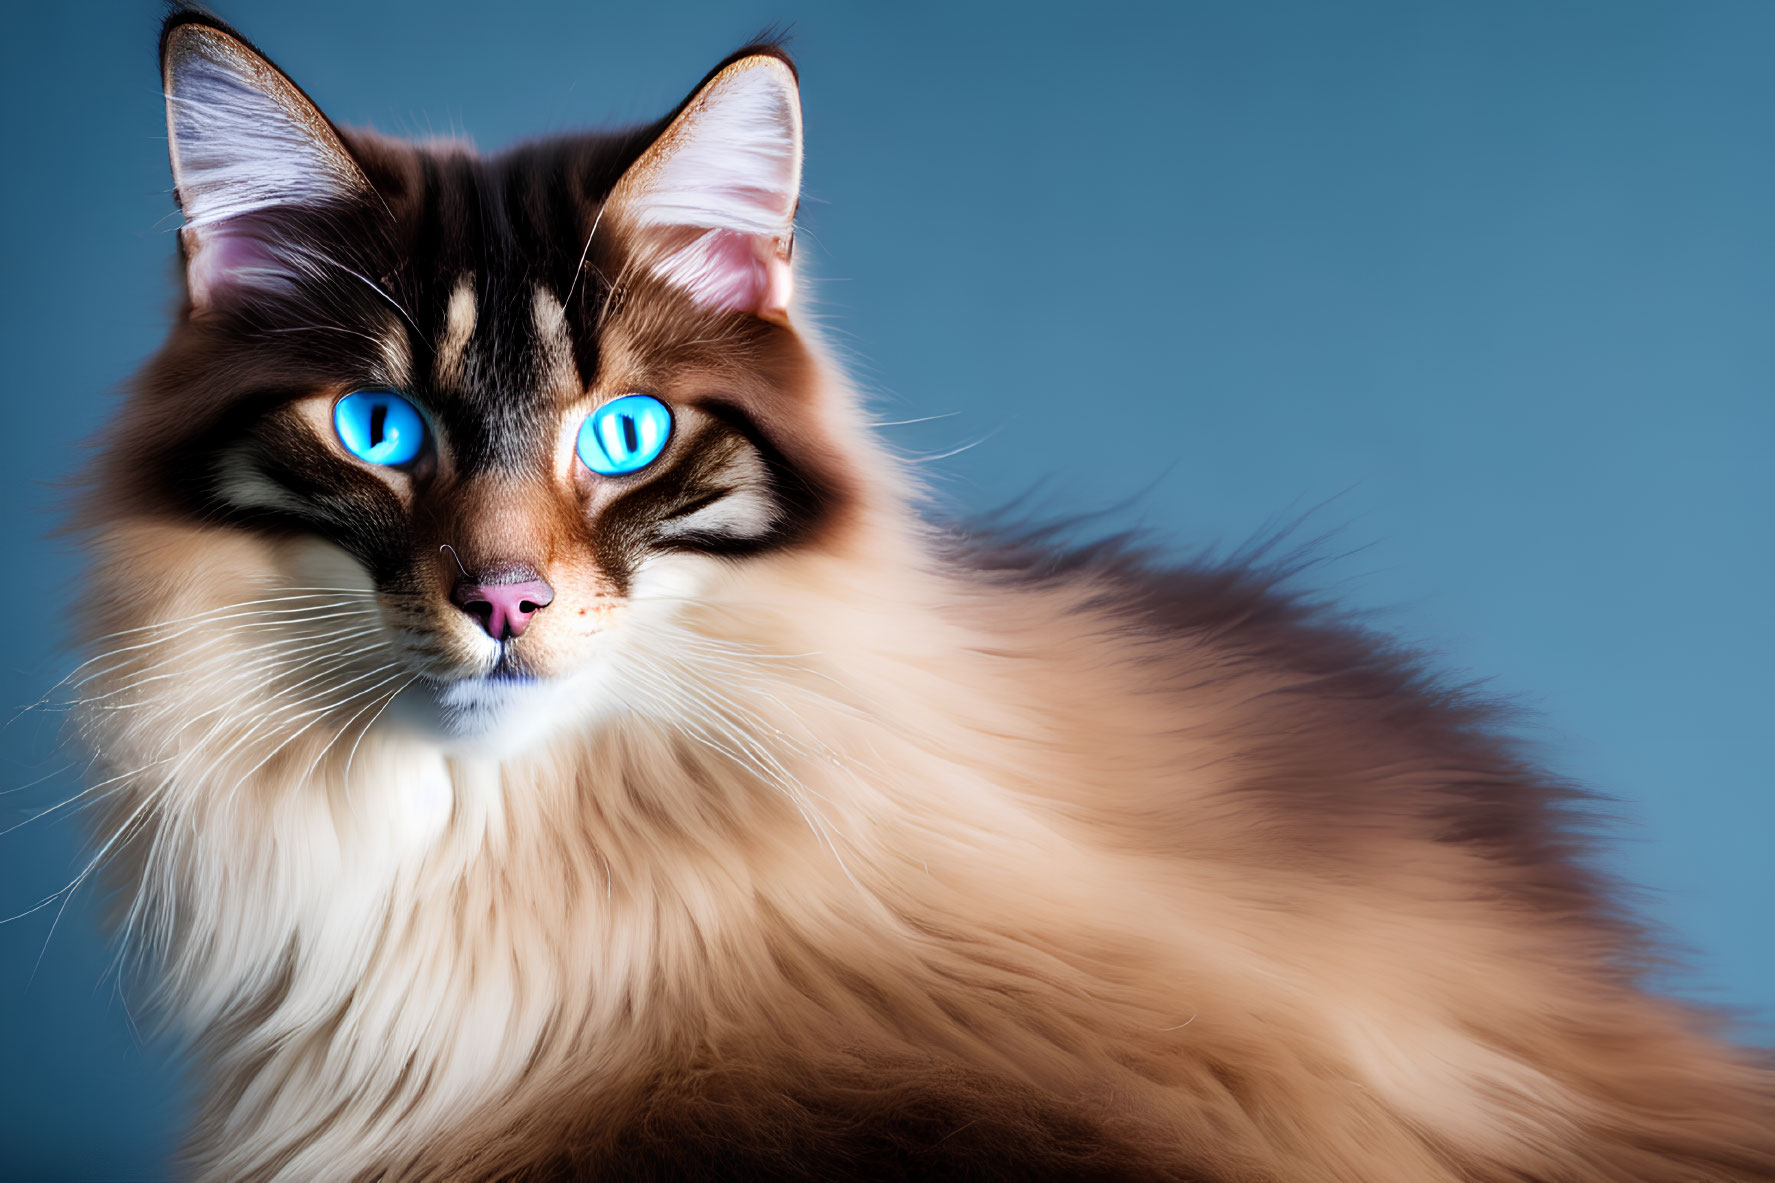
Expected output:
(378, 423)
(630, 438)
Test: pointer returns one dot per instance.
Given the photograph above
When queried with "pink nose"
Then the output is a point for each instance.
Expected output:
(503, 609)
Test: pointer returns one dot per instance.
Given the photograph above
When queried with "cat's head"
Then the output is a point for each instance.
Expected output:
(513, 395)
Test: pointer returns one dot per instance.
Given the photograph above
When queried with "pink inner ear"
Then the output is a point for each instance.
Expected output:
(734, 272)
(218, 261)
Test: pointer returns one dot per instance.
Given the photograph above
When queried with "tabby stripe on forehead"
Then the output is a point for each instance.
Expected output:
(459, 326)
(554, 345)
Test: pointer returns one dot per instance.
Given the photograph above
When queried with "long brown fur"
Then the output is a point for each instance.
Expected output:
(850, 847)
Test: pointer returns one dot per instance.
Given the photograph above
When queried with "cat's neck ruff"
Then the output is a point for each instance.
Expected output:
(787, 831)
(377, 905)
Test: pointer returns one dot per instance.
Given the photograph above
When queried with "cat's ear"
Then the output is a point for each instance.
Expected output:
(245, 141)
(713, 199)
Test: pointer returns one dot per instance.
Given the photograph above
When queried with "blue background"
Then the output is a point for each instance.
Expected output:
(1489, 285)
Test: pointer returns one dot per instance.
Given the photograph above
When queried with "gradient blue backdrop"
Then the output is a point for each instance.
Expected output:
(1494, 280)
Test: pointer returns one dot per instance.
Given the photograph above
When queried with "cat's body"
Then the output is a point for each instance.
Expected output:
(784, 835)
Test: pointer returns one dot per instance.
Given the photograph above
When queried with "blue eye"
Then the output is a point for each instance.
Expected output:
(625, 434)
(379, 427)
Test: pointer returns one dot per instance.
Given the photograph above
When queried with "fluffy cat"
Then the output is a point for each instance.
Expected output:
(542, 740)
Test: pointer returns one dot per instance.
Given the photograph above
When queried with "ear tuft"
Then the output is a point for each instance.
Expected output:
(243, 140)
(728, 165)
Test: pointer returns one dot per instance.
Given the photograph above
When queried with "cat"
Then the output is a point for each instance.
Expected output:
(542, 738)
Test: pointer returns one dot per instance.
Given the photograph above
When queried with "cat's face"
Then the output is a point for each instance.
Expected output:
(520, 398)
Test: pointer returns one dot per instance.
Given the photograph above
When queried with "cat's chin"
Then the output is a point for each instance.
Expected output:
(496, 716)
